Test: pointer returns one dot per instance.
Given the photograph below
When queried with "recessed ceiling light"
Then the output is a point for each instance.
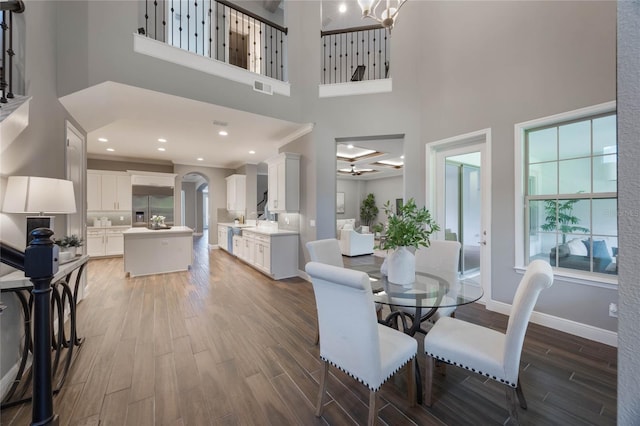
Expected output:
(162, 149)
(350, 146)
(103, 140)
(252, 152)
(110, 149)
(223, 133)
(162, 140)
(200, 159)
(342, 8)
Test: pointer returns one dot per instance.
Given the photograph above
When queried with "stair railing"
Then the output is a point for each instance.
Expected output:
(8, 8)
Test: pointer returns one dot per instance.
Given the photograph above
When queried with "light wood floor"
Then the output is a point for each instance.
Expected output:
(222, 344)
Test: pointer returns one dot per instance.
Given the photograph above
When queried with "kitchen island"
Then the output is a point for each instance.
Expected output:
(157, 251)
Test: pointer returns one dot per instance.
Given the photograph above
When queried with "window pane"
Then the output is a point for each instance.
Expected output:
(575, 176)
(543, 179)
(605, 217)
(604, 135)
(540, 247)
(566, 216)
(605, 168)
(536, 216)
(575, 140)
(543, 145)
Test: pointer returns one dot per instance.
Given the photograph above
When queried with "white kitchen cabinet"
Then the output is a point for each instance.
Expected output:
(108, 191)
(238, 246)
(275, 255)
(105, 242)
(284, 182)
(222, 237)
(236, 192)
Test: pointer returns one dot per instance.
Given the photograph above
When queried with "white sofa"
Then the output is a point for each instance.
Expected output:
(353, 243)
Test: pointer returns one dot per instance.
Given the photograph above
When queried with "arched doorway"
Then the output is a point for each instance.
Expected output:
(194, 202)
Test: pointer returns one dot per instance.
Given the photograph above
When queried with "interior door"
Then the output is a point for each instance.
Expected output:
(460, 189)
(76, 172)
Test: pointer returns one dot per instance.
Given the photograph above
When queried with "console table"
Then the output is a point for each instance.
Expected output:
(64, 296)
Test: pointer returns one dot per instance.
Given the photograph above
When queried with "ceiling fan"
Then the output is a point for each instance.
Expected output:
(355, 172)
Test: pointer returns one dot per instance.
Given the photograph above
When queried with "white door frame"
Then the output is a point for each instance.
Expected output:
(480, 139)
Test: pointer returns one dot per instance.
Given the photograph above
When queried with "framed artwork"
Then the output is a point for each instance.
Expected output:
(340, 202)
(398, 205)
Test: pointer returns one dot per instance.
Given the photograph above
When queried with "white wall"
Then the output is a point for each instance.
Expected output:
(628, 210)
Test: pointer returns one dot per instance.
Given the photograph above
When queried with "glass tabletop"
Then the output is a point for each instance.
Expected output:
(436, 289)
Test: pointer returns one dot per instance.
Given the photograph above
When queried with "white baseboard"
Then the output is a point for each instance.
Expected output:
(561, 324)
(304, 275)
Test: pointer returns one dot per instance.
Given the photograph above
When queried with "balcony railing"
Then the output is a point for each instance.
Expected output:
(355, 54)
(7, 79)
(219, 30)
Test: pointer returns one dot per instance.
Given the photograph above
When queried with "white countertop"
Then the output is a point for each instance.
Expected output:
(258, 229)
(143, 230)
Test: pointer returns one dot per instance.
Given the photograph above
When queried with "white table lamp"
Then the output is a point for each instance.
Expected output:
(29, 194)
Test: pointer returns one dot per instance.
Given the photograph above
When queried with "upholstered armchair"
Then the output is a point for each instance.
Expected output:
(353, 243)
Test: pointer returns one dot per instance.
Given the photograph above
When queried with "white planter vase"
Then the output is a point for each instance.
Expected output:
(401, 266)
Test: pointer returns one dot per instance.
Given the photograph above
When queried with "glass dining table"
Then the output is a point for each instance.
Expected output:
(429, 292)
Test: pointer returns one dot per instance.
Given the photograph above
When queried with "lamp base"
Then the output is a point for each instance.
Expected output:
(34, 222)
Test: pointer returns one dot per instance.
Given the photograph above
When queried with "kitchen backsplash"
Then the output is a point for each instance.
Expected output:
(115, 218)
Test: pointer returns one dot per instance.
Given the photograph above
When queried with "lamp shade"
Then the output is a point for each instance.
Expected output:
(29, 194)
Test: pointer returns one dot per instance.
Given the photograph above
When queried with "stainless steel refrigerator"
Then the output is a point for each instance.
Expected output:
(149, 201)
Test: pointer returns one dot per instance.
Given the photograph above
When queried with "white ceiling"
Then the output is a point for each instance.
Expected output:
(387, 149)
(133, 119)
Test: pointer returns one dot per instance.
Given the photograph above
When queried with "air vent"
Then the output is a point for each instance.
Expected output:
(259, 86)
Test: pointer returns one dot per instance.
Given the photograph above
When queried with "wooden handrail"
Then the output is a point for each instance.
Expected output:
(16, 6)
(351, 30)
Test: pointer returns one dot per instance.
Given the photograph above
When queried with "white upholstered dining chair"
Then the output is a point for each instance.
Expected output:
(440, 258)
(327, 251)
(351, 338)
(486, 351)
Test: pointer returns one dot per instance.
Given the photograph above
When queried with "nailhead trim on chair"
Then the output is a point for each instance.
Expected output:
(448, 361)
(366, 384)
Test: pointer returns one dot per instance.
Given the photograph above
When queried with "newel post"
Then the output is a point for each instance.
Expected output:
(41, 264)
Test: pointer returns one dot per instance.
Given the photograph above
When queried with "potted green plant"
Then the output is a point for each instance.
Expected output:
(368, 210)
(70, 243)
(377, 229)
(407, 230)
(559, 215)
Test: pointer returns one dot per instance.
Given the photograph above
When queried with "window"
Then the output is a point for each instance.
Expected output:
(570, 193)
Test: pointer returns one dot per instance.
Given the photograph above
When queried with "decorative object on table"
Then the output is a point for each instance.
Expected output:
(70, 244)
(368, 210)
(340, 202)
(32, 194)
(406, 232)
(157, 222)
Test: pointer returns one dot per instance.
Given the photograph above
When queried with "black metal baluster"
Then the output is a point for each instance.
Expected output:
(386, 58)
(3, 82)
(146, 17)
(11, 53)
(164, 22)
(180, 25)
(155, 19)
(173, 22)
(188, 27)
(195, 26)
(368, 54)
(374, 53)
(351, 69)
(211, 55)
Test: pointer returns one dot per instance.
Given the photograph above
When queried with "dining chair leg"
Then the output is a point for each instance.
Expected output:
(512, 405)
(523, 402)
(428, 380)
(373, 412)
(411, 382)
(323, 383)
(317, 338)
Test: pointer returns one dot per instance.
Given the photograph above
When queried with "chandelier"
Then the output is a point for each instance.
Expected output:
(387, 15)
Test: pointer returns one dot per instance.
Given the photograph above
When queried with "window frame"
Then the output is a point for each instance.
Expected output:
(520, 164)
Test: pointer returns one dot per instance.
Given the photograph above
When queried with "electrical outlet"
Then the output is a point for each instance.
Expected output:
(312, 223)
(613, 310)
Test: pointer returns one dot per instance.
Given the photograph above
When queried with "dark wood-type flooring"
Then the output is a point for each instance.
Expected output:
(222, 344)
